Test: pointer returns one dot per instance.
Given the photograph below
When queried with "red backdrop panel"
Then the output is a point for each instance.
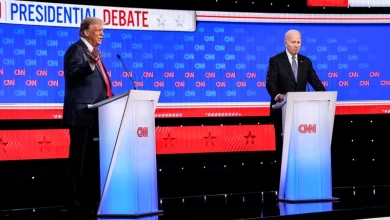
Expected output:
(328, 3)
(54, 143)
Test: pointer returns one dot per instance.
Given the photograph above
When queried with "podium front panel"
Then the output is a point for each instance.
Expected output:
(110, 119)
(130, 187)
(308, 174)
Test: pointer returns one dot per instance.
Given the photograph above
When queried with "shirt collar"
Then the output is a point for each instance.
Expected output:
(90, 47)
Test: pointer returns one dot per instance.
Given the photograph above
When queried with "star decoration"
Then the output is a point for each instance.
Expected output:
(161, 21)
(4, 143)
(249, 138)
(209, 138)
(169, 140)
(44, 142)
(179, 22)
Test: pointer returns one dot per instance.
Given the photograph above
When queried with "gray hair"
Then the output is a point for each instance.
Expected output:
(292, 31)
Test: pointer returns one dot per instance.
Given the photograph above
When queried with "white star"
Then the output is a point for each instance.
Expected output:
(179, 22)
(161, 21)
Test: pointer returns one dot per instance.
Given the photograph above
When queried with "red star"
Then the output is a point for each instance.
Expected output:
(44, 142)
(169, 140)
(4, 143)
(209, 138)
(251, 137)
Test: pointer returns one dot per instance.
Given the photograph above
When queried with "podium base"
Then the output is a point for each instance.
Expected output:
(333, 199)
(127, 216)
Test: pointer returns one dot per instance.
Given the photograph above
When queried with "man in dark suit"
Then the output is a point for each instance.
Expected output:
(86, 82)
(288, 71)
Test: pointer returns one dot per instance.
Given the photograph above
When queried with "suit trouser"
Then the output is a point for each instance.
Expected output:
(83, 170)
(276, 119)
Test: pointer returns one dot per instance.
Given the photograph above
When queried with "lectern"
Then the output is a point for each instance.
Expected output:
(306, 170)
(127, 144)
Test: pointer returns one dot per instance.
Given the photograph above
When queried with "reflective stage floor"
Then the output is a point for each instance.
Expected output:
(354, 203)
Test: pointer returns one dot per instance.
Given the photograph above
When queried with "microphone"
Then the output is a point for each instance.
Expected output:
(119, 57)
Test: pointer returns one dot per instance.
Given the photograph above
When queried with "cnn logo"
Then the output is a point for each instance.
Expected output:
(142, 131)
(307, 128)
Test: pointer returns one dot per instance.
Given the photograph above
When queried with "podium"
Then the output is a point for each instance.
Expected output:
(306, 170)
(127, 144)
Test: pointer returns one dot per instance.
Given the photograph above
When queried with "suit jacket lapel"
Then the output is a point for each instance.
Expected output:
(289, 68)
(99, 70)
(105, 70)
(300, 68)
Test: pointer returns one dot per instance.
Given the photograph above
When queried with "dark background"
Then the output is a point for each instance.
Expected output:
(358, 146)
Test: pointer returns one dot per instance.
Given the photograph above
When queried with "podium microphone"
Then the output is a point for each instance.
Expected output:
(119, 57)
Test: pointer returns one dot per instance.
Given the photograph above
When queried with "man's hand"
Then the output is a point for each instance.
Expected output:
(94, 56)
(280, 98)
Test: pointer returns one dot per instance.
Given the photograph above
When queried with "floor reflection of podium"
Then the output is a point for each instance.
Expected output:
(304, 208)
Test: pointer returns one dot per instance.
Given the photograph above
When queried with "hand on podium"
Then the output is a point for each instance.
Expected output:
(280, 98)
(280, 101)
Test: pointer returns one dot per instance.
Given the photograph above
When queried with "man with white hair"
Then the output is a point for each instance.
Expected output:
(288, 71)
(86, 82)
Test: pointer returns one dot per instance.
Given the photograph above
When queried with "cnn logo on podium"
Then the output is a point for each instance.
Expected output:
(142, 131)
(307, 128)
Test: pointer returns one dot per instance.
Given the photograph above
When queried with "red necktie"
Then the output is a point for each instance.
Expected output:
(109, 93)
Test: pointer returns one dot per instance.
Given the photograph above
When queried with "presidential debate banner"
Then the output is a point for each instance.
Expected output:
(67, 15)
(215, 67)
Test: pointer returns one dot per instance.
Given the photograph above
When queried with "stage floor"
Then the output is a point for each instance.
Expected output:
(354, 203)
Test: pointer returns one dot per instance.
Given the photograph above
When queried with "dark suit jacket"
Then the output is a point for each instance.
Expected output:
(82, 87)
(280, 77)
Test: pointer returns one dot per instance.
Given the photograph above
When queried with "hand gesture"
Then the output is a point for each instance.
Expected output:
(94, 56)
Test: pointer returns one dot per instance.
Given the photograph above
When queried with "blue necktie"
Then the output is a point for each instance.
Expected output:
(294, 67)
